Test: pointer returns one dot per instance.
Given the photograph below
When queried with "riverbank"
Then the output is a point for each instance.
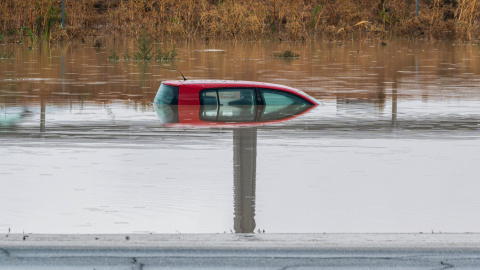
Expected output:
(240, 20)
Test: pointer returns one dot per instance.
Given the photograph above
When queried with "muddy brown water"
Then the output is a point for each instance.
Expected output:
(393, 148)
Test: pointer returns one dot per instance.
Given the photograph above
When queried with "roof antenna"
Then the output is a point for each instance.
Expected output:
(176, 70)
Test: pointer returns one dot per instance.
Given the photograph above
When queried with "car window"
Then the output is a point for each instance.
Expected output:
(166, 95)
(208, 97)
(234, 97)
(274, 97)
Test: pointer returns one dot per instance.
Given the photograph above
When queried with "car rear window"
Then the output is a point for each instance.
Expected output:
(166, 95)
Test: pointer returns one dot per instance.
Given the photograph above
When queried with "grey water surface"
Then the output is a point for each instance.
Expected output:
(393, 147)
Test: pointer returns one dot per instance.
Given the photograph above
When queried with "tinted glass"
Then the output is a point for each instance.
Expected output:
(208, 97)
(166, 95)
(273, 97)
(235, 97)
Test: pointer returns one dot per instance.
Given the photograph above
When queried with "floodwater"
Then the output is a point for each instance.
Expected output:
(393, 148)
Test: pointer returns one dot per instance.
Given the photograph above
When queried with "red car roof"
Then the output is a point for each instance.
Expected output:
(189, 89)
(227, 83)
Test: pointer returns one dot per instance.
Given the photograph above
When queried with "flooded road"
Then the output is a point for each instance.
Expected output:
(393, 148)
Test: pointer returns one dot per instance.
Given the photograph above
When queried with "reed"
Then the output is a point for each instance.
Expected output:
(97, 44)
(468, 14)
(243, 19)
(4, 54)
(144, 52)
(286, 54)
(113, 56)
(166, 56)
(33, 37)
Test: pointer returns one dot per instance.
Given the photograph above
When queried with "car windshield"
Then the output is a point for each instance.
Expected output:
(167, 95)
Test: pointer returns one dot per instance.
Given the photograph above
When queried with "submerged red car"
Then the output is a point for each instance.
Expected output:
(228, 103)
(230, 93)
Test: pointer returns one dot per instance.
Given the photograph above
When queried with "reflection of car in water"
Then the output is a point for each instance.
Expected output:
(243, 115)
(235, 103)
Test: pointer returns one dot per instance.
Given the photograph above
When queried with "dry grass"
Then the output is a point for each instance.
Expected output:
(243, 20)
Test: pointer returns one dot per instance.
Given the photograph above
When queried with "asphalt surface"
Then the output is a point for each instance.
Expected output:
(252, 251)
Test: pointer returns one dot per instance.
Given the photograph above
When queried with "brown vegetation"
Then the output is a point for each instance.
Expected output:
(242, 20)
